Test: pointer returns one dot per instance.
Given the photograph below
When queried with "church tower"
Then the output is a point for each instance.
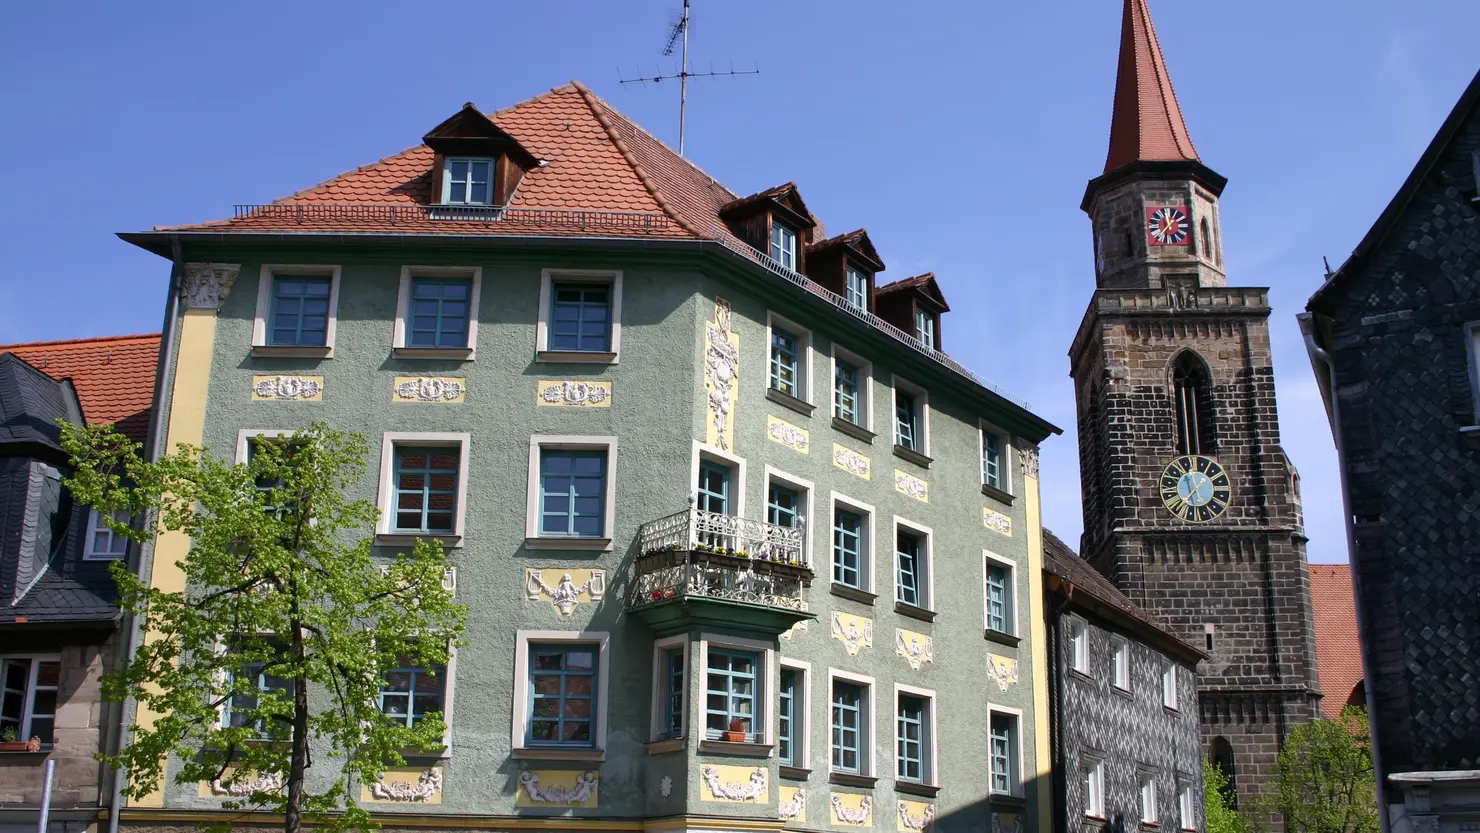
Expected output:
(1190, 505)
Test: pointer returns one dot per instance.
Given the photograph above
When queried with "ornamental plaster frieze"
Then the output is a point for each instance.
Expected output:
(1028, 461)
(572, 394)
(855, 632)
(426, 790)
(738, 784)
(916, 648)
(721, 376)
(287, 388)
(792, 805)
(544, 788)
(573, 587)
(206, 285)
(433, 389)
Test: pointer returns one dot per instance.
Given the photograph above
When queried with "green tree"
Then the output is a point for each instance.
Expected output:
(1323, 778)
(276, 649)
(1218, 798)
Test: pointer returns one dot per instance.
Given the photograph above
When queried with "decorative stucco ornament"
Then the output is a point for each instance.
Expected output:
(425, 788)
(996, 521)
(750, 790)
(1007, 823)
(665, 787)
(1028, 460)
(916, 648)
(721, 373)
(429, 389)
(914, 822)
(911, 486)
(583, 790)
(566, 593)
(449, 577)
(1002, 669)
(855, 632)
(794, 630)
(794, 438)
(793, 808)
(206, 285)
(237, 788)
(851, 461)
(306, 388)
(855, 816)
(575, 394)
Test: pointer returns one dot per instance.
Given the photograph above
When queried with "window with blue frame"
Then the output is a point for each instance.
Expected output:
(712, 494)
(439, 313)
(906, 421)
(783, 245)
(783, 506)
(673, 693)
(999, 598)
(572, 493)
(467, 181)
(562, 695)
(847, 561)
(788, 743)
(581, 317)
(857, 289)
(730, 695)
(845, 392)
(268, 483)
(300, 311)
(785, 376)
(910, 569)
(408, 693)
(1002, 753)
(991, 460)
(425, 488)
(911, 737)
(241, 706)
(847, 727)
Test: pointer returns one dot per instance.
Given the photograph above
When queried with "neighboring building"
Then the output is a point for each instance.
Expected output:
(61, 621)
(1190, 504)
(1127, 749)
(1394, 338)
(1338, 651)
(596, 374)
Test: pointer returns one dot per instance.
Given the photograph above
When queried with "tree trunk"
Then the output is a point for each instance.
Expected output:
(293, 818)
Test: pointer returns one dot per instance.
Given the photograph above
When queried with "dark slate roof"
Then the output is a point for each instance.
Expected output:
(1083, 585)
(31, 403)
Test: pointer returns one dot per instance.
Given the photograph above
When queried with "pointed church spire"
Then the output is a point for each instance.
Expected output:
(1147, 125)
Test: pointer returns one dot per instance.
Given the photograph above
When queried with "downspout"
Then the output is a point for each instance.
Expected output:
(1318, 354)
(167, 346)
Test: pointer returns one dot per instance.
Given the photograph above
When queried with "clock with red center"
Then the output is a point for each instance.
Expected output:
(1167, 225)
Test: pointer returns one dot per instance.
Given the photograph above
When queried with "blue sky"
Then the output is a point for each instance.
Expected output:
(960, 133)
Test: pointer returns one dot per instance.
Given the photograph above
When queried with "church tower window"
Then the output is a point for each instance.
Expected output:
(1205, 239)
(1192, 398)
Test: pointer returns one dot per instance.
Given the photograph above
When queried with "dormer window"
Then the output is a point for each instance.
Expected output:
(925, 328)
(467, 181)
(783, 245)
(857, 294)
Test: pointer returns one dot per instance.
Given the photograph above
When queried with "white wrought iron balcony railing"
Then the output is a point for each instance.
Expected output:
(695, 553)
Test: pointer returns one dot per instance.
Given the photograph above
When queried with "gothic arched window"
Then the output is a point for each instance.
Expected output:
(1192, 399)
(1220, 754)
(1206, 239)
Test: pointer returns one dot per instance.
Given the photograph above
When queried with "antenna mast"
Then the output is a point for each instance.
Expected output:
(678, 37)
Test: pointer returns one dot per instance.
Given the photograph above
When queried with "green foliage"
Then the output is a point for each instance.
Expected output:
(1218, 798)
(1323, 778)
(281, 585)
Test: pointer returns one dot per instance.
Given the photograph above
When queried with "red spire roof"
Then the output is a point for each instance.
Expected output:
(1147, 125)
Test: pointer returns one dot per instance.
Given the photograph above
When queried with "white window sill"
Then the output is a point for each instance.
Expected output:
(559, 754)
(464, 354)
(269, 351)
(87, 556)
(574, 357)
(584, 544)
(409, 539)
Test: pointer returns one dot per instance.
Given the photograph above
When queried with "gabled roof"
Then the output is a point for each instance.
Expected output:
(1147, 123)
(856, 240)
(114, 376)
(470, 124)
(1338, 648)
(1082, 584)
(31, 404)
(785, 195)
(925, 284)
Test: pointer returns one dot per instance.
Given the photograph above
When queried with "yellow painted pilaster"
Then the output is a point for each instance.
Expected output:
(1038, 634)
(204, 288)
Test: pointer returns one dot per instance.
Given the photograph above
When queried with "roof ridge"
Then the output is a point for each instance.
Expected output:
(79, 342)
(621, 145)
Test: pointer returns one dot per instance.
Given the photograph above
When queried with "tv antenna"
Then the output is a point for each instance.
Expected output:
(678, 38)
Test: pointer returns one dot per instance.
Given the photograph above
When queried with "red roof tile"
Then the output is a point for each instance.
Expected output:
(1338, 649)
(114, 375)
(925, 283)
(1147, 123)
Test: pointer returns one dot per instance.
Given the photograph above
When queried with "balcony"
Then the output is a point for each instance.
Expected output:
(698, 569)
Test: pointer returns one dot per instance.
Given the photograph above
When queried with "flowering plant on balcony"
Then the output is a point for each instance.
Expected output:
(660, 595)
(735, 553)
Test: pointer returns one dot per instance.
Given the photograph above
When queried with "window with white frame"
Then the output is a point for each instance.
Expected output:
(423, 486)
(410, 691)
(1121, 659)
(1094, 788)
(1004, 753)
(570, 499)
(911, 418)
(852, 544)
(102, 542)
(1079, 645)
(580, 317)
(912, 564)
(783, 245)
(857, 288)
(670, 688)
(995, 447)
(852, 718)
(561, 682)
(735, 683)
(251, 678)
(28, 696)
(1186, 808)
(297, 310)
(1169, 694)
(914, 735)
(925, 328)
(792, 714)
(1001, 586)
(467, 181)
(788, 505)
(851, 400)
(437, 312)
(789, 365)
(1149, 814)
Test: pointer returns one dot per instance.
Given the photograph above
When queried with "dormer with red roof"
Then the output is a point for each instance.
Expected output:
(846, 265)
(915, 306)
(775, 222)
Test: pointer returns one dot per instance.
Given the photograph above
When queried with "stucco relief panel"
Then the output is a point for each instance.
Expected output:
(855, 632)
(564, 589)
(721, 376)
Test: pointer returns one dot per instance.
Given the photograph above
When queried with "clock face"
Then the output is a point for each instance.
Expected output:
(1167, 225)
(1195, 488)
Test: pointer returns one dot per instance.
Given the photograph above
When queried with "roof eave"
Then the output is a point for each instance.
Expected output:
(1155, 169)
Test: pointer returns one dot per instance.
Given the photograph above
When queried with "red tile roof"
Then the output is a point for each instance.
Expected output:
(925, 283)
(1147, 123)
(1338, 650)
(114, 375)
